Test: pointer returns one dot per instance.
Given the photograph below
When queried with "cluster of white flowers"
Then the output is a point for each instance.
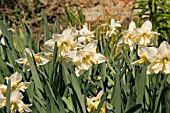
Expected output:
(158, 59)
(77, 46)
(16, 103)
(141, 36)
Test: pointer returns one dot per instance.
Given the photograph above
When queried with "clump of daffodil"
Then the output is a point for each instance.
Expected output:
(16, 103)
(113, 26)
(161, 60)
(65, 42)
(85, 58)
(85, 35)
(38, 57)
(146, 55)
(145, 35)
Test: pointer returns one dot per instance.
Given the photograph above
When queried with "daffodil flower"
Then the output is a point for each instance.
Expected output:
(144, 34)
(129, 36)
(38, 57)
(15, 79)
(83, 59)
(113, 26)
(65, 42)
(16, 103)
(146, 55)
(92, 103)
(161, 61)
(85, 35)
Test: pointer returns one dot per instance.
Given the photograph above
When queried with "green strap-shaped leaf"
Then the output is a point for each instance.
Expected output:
(134, 108)
(78, 92)
(35, 75)
(8, 92)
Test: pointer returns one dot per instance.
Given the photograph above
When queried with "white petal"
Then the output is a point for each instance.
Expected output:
(91, 46)
(69, 32)
(82, 39)
(79, 72)
(15, 78)
(43, 60)
(112, 22)
(150, 52)
(167, 68)
(16, 96)
(49, 44)
(132, 26)
(23, 107)
(100, 58)
(29, 51)
(147, 25)
(21, 60)
(164, 48)
(71, 55)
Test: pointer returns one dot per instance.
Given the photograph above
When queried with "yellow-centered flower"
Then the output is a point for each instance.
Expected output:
(86, 57)
(16, 103)
(113, 26)
(38, 58)
(85, 35)
(146, 55)
(144, 34)
(161, 61)
(129, 36)
(65, 42)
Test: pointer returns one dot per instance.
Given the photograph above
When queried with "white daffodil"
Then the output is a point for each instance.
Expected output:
(161, 61)
(16, 103)
(144, 34)
(65, 42)
(15, 79)
(146, 55)
(85, 35)
(38, 57)
(92, 103)
(113, 26)
(83, 59)
(129, 35)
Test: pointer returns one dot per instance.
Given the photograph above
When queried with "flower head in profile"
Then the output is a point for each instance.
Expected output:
(161, 61)
(38, 58)
(146, 55)
(144, 34)
(113, 26)
(129, 36)
(16, 103)
(65, 42)
(85, 35)
(86, 57)
(16, 83)
(92, 104)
